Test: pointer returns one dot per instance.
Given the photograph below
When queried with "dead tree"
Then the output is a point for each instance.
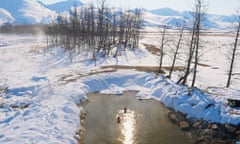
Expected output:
(74, 27)
(137, 26)
(96, 29)
(162, 48)
(93, 33)
(176, 51)
(120, 34)
(194, 44)
(100, 25)
(233, 54)
(198, 18)
(190, 56)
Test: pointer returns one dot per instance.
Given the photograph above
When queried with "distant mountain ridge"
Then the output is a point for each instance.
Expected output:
(165, 12)
(25, 11)
(5, 17)
(170, 17)
(33, 11)
(63, 5)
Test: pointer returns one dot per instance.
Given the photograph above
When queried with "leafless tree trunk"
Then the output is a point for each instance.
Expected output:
(162, 48)
(96, 29)
(176, 51)
(190, 56)
(137, 26)
(194, 44)
(198, 19)
(233, 54)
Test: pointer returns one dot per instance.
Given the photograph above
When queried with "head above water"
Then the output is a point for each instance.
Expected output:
(125, 110)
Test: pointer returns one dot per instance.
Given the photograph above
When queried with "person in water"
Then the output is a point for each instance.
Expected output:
(125, 110)
(118, 117)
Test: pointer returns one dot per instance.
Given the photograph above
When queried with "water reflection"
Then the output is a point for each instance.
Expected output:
(127, 123)
(143, 122)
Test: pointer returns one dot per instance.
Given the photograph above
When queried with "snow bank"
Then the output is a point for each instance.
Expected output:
(49, 118)
(40, 107)
(195, 104)
(53, 115)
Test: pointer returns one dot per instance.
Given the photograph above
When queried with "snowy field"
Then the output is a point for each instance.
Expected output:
(44, 88)
(214, 57)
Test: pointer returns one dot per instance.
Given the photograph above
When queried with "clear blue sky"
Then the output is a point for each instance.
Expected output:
(226, 7)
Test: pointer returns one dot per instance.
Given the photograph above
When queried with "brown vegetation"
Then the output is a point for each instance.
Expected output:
(73, 78)
(23, 29)
(152, 49)
(113, 68)
(154, 69)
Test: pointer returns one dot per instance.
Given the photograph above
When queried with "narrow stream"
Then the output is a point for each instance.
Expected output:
(123, 119)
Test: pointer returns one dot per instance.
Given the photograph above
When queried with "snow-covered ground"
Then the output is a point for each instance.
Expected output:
(214, 57)
(44, 88)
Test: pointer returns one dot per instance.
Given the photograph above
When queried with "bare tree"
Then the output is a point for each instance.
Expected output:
(176, 51)
(194, 43)
(233, 53)
(100, 25)
(137, 25)
(198, 19)
(96, 29)
(162, 48)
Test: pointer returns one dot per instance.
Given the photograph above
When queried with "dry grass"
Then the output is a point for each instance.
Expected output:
(203, 65)
(73, 78)
(112, 68)
(215, 68)
(137, 68)
(236, 74)
(154, 69)
(70, 78)
(152, 49)
(102, 71)
(218, 34)
(176, 68)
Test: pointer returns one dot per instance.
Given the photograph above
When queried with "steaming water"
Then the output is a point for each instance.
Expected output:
(141, 122)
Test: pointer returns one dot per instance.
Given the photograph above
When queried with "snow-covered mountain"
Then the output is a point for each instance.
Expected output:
(173, 18)
(63, 6)
(33, 11)
(5, 17)
(165, 12)
(24, 11)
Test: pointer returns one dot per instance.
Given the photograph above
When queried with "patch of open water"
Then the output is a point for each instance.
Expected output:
(123, 119)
